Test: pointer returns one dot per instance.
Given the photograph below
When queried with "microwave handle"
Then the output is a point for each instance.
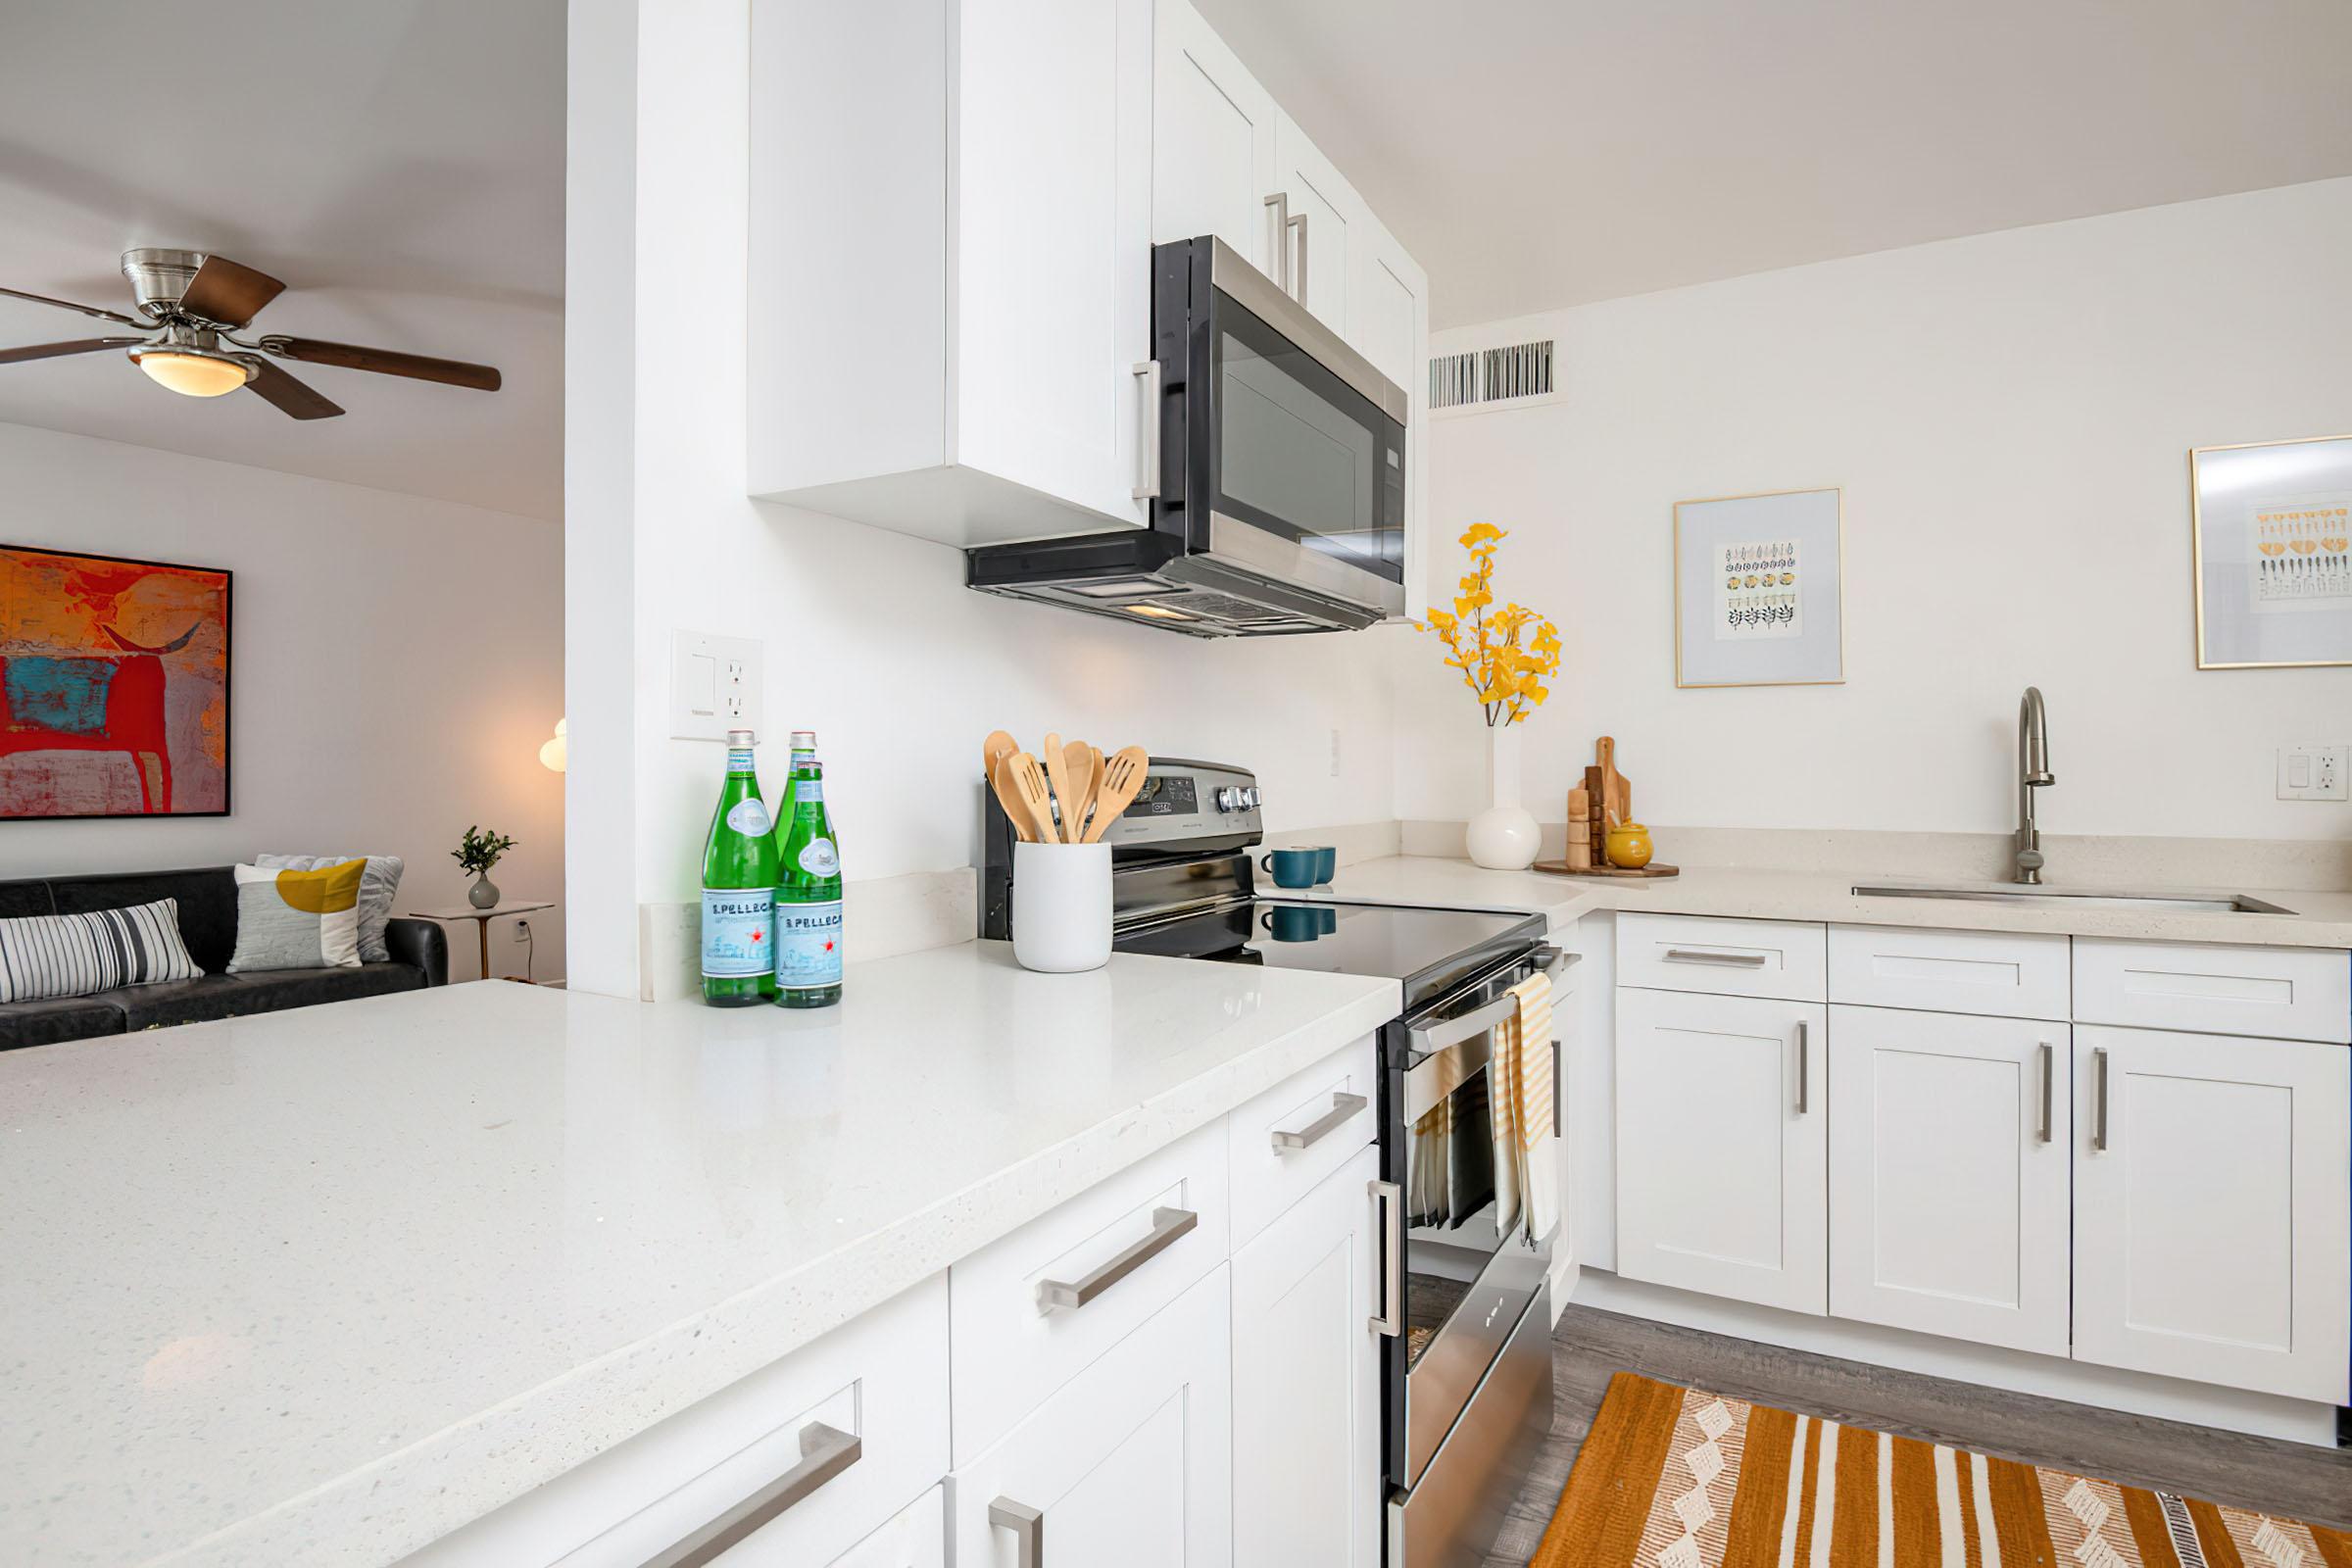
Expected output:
(1280, 202)
(1148, 372)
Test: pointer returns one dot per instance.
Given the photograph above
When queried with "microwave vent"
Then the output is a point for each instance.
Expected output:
(1508, 373)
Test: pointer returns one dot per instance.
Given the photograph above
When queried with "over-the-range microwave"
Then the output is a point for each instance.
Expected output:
(1280, 504)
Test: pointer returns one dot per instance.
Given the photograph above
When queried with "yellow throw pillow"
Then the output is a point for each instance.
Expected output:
(298, 919)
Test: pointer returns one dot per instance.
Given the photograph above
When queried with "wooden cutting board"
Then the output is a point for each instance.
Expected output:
(1656, 868)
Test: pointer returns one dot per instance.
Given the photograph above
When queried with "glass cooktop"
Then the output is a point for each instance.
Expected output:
(1431, 950)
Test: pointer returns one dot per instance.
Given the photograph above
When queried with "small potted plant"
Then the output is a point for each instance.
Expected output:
(1504, 654)
(477, 853)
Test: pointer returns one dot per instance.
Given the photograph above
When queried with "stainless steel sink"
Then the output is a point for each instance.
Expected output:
(2063, 897)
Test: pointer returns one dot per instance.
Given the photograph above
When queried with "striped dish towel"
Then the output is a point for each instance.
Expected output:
(1527, 1171)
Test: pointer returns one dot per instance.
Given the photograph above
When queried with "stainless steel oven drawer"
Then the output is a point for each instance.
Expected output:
(1448, 1374)
(1451, 1516)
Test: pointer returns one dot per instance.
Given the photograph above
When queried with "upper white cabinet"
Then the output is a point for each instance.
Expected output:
(951, 227)
(1212, 140)
(1323, 223)
(2212, 1214)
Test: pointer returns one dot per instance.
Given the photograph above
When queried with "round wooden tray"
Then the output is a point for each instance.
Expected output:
(1656, 868)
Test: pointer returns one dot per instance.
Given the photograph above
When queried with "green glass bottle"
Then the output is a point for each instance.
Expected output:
(808, 888)
(739, 888)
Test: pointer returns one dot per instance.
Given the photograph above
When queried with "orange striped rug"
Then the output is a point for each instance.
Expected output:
(1677, 1478)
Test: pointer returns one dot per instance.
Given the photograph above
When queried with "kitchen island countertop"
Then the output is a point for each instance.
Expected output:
(320, 1285)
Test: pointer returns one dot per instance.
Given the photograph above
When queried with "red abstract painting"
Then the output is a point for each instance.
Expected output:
(114, 687)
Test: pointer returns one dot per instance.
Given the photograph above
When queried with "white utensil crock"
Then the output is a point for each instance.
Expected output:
(1062, 906)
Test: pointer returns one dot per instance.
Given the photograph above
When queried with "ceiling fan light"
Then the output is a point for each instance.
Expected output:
(195, 375)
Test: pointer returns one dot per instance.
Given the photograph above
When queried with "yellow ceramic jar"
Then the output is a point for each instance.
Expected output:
(1628, 845)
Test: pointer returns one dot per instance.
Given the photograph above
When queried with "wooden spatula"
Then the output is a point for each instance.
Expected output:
(1019, 777)
(1123, 775)
(1058, 773)
(994, 750)
(1086, 776)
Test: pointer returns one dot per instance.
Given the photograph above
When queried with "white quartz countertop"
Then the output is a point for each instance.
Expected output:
(2318, 920)
(317, 1286)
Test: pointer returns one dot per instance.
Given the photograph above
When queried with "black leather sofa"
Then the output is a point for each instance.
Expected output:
(208, 924)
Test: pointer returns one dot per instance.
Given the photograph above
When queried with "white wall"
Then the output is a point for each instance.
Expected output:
(395, 665)
(872, 638)
(2009, 415)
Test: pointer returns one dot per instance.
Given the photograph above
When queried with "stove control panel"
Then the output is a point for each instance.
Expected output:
(1183, 801)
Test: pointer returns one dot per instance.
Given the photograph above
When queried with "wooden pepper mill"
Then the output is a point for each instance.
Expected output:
(1580, 829)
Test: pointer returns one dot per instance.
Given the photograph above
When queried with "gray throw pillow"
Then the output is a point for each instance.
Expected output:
(378, 885)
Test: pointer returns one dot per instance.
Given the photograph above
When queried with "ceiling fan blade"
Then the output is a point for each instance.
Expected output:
(385, 361)
(58, 351)
(228, 293)
(69, 304)
(291, 397)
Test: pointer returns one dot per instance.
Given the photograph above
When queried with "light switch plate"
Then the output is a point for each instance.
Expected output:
(716, 684)
(2308, 773)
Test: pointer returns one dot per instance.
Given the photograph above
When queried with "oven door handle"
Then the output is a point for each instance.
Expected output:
(1547, 961)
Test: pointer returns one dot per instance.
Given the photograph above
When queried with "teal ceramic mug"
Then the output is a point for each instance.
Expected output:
(1290, 868)
(1327, 863)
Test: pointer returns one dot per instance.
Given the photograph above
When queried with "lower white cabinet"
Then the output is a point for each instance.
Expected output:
(1129, 1463)
(2213, 1213)
(1723, 1146)
(1306, 1382)
(1948, 1174)
(916, 1538)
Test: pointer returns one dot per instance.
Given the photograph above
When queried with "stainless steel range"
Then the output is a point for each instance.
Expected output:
(1465, 1315)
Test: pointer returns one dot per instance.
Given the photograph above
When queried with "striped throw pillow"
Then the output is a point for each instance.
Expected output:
(43, 956)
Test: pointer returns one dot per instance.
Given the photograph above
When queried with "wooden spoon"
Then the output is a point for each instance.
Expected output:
(1123, 776)
(1028, 784)
(1086, 776)
(1057, 770)
(1008, 796)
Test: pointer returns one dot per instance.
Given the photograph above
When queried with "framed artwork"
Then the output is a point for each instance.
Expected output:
(1759, 584)
(2271, 525)
(114, 687)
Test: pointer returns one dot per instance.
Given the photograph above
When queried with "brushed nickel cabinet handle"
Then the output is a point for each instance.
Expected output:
(1724, 960)
(1343, 1107)
(1280, 202)
(1299, 222)
(2049, 1074)
(825, 1452)
(2098, 1103)
(1805, 1067)
(1390, 1319)
(1147, 371)
(1028, 1527)
(1167, 1224)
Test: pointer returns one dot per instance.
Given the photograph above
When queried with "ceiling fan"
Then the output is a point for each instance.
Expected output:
(194, 305)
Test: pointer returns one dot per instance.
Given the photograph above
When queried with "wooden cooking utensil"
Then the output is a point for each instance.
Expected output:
(1008, 796)
(1057, 773)
(1123, 775)
(994, 750)
(1085, 764)
(1019, 776)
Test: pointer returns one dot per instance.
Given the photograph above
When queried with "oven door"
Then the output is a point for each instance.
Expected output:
(1466, 1282)
(1291, 446)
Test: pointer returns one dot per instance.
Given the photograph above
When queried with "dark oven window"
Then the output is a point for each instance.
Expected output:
(1450, 1213)
(1303, 453)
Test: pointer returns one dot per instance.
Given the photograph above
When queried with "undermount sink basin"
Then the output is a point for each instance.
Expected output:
(2003, 893)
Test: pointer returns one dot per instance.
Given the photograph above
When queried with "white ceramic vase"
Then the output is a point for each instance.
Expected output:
(1504, 836)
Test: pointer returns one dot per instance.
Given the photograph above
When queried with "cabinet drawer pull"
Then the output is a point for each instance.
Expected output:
(2049, 1073)
(1167, 1224)
(1147, 371)
(1028, 1527)
(1390, 1319)
(1805, 1067)
(1343, 1107)
(2098, 1103)
(825, 1452)
(1280, 202)
(1722, 960)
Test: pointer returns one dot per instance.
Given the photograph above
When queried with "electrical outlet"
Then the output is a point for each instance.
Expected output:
(715, 685)
(2315, 772)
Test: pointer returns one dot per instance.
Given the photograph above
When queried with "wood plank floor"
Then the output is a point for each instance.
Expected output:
(1590, 1345)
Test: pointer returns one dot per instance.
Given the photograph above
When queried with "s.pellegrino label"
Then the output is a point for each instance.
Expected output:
(808, 924)
(739, 888)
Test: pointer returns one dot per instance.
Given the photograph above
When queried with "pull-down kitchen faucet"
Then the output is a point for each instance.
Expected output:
(2032, 772)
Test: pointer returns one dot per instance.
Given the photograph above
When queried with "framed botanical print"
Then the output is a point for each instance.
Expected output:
(1759, 585)
(2271, 526)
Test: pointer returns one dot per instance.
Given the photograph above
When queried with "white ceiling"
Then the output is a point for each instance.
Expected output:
(1541, 153)
(398, 163)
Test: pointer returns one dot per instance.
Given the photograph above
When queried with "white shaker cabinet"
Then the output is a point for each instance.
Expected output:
(2213, 1213)
(1127, 1464)
(1306, 1382)
(916, 1538)
(1948, 1174)
(1723, 1146)
(950, 230)
(1212, 141)
(1324, 224)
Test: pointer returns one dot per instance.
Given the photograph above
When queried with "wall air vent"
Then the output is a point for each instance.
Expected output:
(1511, 372)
